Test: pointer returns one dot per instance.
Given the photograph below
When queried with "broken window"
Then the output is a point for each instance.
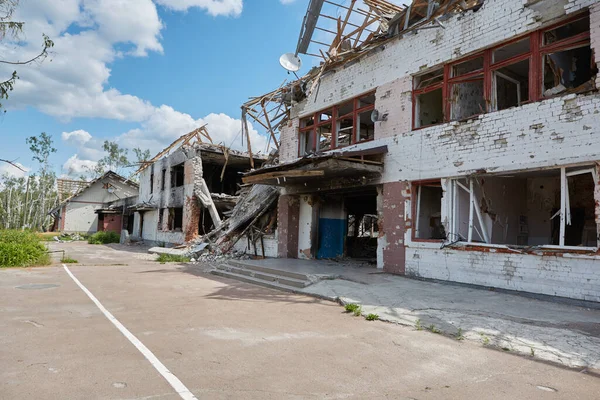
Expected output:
(151, 183)
(343, 125)
(163, 179)
(161, 217)
(508, 75)
(325, 137)
(427, 211)
(177, 173)
(345, 130)
(176, 219)
(568, 70)
(428, 98)
(467, 99)
(306, 138)
(366, 127)
(540, 208)
(511, 50)
(511, 85)
(466, 67)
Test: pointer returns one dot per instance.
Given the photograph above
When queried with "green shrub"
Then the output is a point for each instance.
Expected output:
(165, 258)
(372, 317)
(22, 249)
(104, 238)
(68, 260)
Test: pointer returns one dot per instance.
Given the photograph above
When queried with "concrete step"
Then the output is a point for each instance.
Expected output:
(273, 271)
(267, 277)
(256, 281)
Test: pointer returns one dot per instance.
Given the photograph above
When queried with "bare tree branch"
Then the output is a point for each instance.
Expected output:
(13, 164)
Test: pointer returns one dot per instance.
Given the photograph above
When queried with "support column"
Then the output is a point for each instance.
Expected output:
(288, 211)
(391, 248)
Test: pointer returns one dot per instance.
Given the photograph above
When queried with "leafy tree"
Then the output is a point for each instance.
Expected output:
(116, 159)
(26, 201)
(12, 30)
(141, 155)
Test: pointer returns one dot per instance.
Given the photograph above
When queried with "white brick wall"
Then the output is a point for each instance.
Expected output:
(570, 276)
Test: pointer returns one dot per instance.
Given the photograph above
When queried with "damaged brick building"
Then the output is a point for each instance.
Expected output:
(187, 189)
(453, 140)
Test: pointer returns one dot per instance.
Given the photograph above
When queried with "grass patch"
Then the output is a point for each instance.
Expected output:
(165, 258)
(22, 249)
(353, 308)
(104, 238)
(372, 317)
(46, 236)
(433, 329)
(68, 260)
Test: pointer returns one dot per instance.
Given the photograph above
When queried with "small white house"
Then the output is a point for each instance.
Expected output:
(80, 212)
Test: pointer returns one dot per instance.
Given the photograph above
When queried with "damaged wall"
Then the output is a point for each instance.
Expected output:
(566, 275)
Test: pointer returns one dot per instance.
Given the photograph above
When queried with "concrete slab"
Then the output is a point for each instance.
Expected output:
(170, 251)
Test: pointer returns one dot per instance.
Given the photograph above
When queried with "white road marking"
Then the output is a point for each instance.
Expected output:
(179, 387)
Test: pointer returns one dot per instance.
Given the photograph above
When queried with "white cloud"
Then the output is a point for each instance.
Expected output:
(77, 137)
(76, 166)
(7, 169)
(286, 1)
(74, 81)
(213, 7)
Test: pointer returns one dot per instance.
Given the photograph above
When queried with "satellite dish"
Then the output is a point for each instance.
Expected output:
(291, 62)
(376, 116)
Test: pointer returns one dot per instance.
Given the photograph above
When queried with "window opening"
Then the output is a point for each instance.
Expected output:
(568, 70)
(176, 219)
(177, 173)
(163, 179)
(540, 208)
(427, 214)
(467, 99)
(511, 85)
(511, 50)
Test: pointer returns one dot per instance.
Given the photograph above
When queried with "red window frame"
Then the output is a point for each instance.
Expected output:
(413, 190)
(335, 118)
(537, 50)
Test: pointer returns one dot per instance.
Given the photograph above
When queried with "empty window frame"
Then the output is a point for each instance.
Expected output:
(161, 219)
(342, 125)
(554, 208)
(428, 99)
(163, 179)
(152, 182)
(177, 174)
(552, 61)
(176, 219)
(427, 211)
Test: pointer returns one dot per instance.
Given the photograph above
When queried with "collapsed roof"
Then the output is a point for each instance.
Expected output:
(339, 34)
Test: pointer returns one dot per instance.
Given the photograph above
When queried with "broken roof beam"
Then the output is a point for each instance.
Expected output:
(185, 139)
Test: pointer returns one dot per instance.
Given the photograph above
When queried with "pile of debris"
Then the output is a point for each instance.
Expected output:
(254, 215)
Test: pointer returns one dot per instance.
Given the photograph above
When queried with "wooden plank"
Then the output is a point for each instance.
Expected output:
(282, 174)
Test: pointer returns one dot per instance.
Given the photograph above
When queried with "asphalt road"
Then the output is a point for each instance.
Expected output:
(227, 340)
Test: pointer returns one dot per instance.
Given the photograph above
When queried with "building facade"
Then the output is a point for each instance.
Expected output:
(98, 206)
(187, 192)
(469, 152)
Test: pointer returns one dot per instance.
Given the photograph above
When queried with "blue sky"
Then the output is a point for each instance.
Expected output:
(142, 74)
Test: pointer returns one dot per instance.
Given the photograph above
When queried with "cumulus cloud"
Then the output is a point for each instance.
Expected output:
(77, 137)
(89, 35)
(76, 166)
